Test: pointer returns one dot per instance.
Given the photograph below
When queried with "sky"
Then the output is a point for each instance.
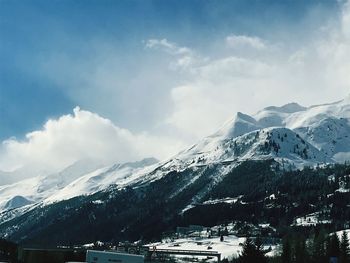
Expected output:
(123, 80)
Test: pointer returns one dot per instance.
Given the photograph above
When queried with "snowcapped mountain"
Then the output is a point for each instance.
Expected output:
(281, 144)
(275, 116)
(330, 135)
(297, 134)
(238, 126)
(292, 135)
(326, 127)
(81, 178)
(33, 190)
(118, 175)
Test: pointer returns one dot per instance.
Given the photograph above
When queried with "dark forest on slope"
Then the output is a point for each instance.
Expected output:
(265, 193)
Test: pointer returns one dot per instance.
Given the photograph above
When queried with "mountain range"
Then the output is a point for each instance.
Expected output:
(286, 138)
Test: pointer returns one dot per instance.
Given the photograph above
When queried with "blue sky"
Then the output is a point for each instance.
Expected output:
(149, 78)
(32, 32)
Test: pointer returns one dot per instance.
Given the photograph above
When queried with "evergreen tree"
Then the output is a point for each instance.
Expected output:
(258, 244)
(252, 252)
(286, 251)
(248, 251)
(344, 256)
(301, 254)
(318, 249)
(334, 246)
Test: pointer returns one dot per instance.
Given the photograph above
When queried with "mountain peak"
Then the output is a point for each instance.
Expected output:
(239, 125)
(287, 108)
(245, 117)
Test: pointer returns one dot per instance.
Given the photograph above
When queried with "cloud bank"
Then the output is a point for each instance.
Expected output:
(81, 135)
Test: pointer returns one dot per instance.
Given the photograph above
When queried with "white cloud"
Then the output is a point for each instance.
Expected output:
(312, 73)
(185, 58)
(242, 41)
(218, 90)
(167, 46)
(82, 135)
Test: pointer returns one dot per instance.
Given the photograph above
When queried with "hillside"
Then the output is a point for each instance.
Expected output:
(244, 160)
(253, 193)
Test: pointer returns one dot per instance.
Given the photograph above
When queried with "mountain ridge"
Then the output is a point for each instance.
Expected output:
(291, 135)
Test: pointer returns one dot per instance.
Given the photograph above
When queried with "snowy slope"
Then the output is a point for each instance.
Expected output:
(290, 134)
(331, 135)
(326, 127)
(277, 143)
(275, 116)
(118, 174)
(35, 189)
(294, 116)
(313, 114)
(241, 124)
(274, 132)
(78, 179)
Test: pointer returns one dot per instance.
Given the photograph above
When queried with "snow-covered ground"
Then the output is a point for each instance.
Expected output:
(340, 233)
(227, 200)
(230, 247)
